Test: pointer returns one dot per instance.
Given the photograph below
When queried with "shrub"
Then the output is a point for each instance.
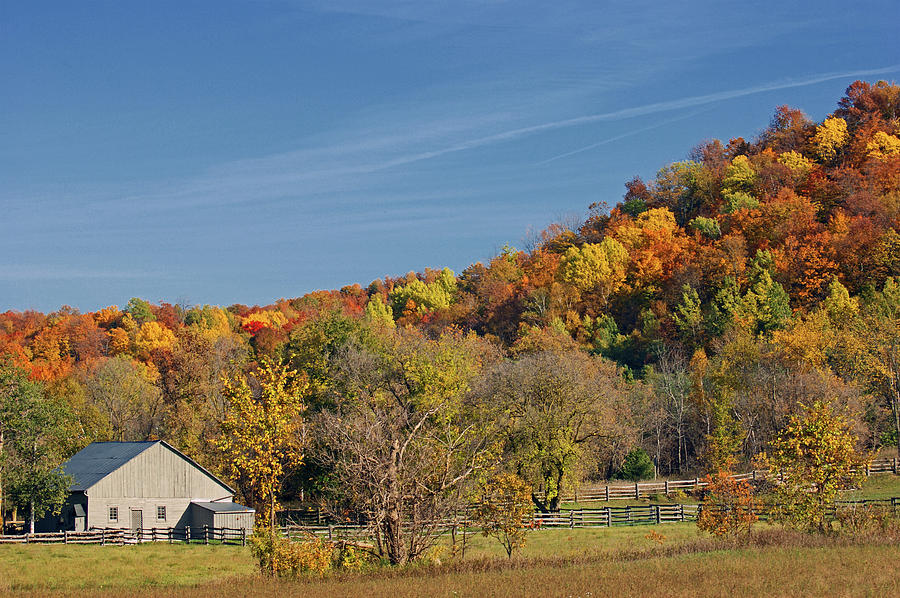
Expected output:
(637, 466)
(505, 506)
(728, 508)
(281, 557)
(866, 519)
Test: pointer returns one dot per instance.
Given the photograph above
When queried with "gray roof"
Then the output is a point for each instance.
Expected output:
(99, 459)
(223, 507)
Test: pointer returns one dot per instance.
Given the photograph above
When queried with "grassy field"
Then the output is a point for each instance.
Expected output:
(669, 560)
(838, 570)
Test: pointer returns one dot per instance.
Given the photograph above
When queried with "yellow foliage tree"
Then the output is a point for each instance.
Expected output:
(796, 161)
(263, 432)
(596, 267)
(504, 507)
(813, 459)
(883, 145)
(830, 137)
(152, 336)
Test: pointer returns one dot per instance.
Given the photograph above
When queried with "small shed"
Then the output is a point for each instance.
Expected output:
(222, 515)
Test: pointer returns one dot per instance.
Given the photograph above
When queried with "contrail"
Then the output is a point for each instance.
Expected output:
(622, 136)
(644, 110)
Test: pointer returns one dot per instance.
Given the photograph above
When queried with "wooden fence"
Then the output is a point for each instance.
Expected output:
(638, 490)
(565, 518)
(575, 518)
(184, 535)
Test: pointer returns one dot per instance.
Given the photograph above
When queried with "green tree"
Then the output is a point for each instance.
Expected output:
(140, 310)
(379, 313)
(565, 410)
(402, 440)
(637, 466)
(30, 445)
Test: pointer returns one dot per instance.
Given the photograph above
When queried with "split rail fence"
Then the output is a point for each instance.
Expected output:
(640, 490)
(566, 518)
(578, 518)
(121, 537)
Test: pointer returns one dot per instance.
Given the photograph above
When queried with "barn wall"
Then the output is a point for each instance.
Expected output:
(201, 517)
(235, 520)
(177, 512)
(159, 472)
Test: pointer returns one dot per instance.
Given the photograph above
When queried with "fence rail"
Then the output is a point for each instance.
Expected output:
(638, 490)
(629, 515)
(185, 535)
(576, 518)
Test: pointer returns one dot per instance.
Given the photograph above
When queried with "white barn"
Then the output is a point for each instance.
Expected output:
(143, 485)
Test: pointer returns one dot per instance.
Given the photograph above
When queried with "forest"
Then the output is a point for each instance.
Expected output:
(689, 322)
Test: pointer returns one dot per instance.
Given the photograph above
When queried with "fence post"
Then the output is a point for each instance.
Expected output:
(187, 534)
(681, 510)
(65, 537)
(607, 493)
(628, 512)
(206, 534)
(243, 536)
(102, 537)
(867, 468)
(667, 487)
(608, 517)
(754, 475)
(658, 519)
(894, 465)
(572, 519)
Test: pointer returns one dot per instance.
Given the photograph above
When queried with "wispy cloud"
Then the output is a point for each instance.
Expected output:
(358, 162)
(34, 272)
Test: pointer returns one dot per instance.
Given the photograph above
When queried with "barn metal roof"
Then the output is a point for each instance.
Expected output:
(99, 459)
(223, 507)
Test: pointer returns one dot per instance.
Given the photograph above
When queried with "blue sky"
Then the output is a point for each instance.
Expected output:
(237, 152)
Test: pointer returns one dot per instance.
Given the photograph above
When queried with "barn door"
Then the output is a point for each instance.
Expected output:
(137, 520)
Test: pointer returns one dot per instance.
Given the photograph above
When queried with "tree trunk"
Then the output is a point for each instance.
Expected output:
(31, 517)
(393, 519)
(2, 510)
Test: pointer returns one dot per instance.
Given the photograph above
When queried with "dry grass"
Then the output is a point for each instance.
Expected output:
(771, 563)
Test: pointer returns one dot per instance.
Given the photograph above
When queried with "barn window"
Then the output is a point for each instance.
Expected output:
(160, 513)
(113, 514)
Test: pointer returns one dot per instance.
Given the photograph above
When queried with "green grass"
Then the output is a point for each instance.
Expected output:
(879, 485)
(35, 566)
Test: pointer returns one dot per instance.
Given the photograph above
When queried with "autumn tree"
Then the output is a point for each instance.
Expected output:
(728, 506)
(263, 433)
(813, 459)
(402, 438)
(125, 392)
(503, 508)
(565, 414)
